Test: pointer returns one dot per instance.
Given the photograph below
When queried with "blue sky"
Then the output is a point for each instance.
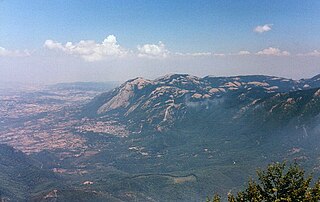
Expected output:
(150, 38)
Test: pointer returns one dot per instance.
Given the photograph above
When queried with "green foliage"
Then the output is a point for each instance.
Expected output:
(279, 183)
(252, 193)
(216, 198)
(231, 197)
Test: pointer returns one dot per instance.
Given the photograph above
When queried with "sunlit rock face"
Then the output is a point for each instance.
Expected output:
(162, 102)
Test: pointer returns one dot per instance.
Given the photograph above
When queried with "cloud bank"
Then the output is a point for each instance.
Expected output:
(13, 53)
(200, 54)
(263, 28)
(314, 53)
(153, 50)
(89, 50)
(273, 52)
(243, 52)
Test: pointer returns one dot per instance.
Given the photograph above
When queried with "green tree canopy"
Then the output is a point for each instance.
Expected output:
(279, 183)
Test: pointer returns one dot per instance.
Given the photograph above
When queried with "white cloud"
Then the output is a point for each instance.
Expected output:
(219, 54)
(313, 53)
(153, 50)
(273, 52)
(53, 45)
(13, 53)
(89, 50)
(201, 54)
(263, 28)
(243, 52)
(195, 54)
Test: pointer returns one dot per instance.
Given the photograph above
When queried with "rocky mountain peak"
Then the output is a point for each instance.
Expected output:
(137, 83)
(166, 99)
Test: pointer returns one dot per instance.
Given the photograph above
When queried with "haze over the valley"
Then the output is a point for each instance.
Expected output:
(57, 41)
(159, 100)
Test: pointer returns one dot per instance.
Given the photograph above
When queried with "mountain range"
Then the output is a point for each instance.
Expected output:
(174, 138)
(163, 102)
(217, 128)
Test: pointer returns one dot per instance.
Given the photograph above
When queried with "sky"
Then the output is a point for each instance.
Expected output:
(51, 41)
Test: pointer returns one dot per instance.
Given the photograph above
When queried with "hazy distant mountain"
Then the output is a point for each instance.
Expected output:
(94, 86)
(162, 102)
(218, 129)
(175, 138)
